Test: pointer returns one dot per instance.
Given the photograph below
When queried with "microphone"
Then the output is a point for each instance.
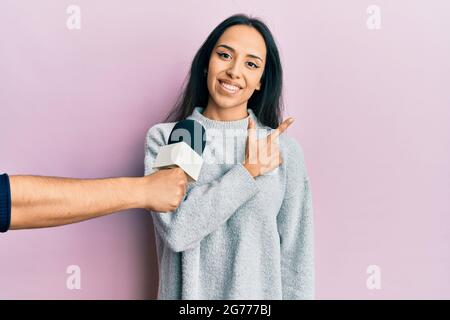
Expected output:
(184, 149)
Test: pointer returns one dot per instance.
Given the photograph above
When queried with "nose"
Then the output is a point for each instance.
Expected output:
(233, 71)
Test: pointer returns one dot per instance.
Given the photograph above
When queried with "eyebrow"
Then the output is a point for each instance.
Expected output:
(231, 49)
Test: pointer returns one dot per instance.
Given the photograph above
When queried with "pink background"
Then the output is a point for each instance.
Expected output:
(372, 111)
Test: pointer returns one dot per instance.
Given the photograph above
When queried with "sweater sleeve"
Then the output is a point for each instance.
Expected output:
(206, 207)
(295, 227)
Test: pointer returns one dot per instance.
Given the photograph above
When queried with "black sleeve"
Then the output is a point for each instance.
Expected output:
(5, 203)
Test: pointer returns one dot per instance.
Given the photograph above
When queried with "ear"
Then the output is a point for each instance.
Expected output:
(258, 87)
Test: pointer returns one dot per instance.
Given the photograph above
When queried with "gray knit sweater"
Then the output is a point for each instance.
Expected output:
(235, 236)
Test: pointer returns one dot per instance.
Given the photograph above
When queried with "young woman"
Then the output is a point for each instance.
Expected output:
(245, 229)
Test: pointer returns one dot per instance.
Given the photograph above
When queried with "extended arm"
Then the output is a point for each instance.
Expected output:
(38, 201)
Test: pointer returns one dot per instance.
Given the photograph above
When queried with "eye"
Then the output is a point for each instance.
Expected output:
(223, 55)
(253, 65)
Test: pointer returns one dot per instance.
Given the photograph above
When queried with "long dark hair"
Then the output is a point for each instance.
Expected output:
(266, 103)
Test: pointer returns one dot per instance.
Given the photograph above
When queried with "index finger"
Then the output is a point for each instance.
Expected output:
(281, 128)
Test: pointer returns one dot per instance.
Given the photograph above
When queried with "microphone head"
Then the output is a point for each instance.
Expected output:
(191, 132)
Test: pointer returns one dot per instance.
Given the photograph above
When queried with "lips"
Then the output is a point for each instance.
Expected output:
(228, 87)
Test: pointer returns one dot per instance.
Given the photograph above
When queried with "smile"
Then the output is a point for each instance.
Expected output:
(228, 87)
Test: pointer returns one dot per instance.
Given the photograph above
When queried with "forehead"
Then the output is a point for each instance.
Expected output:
(244, 39)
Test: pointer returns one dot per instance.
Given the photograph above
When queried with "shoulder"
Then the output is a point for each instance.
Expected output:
(293, 155)
(289, 146)
(159, 133)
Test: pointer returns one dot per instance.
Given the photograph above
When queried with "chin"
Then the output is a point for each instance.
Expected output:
(227, 103)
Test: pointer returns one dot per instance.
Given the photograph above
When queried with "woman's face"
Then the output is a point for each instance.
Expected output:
(236, 66)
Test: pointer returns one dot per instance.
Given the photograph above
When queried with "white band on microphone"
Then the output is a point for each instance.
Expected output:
(181, 155)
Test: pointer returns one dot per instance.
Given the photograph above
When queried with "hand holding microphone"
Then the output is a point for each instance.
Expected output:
(263, 155)
(184, 152)
(165, 189)
(39, 201)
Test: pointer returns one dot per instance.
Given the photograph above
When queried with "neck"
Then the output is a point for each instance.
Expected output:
(213, 112)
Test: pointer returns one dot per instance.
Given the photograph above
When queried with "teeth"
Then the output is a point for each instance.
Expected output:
(229, 86)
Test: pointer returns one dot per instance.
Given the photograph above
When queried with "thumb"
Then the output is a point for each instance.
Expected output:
(251, 130)
(251, 146)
